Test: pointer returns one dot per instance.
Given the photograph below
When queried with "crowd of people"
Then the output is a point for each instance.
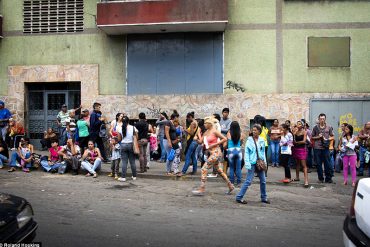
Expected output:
(216, 142)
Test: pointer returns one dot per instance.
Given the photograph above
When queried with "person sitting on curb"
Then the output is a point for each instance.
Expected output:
(46, 141)
(23, 155)
(4, 152)
(71, 154)
(91, 160)
(53, 162)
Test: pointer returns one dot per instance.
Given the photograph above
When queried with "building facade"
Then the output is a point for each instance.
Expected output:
(284, 59)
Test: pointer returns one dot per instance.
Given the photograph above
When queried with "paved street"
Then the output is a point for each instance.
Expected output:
(80, 211)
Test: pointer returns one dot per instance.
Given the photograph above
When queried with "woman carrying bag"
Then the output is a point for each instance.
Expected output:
(129, 140)
(254, 151)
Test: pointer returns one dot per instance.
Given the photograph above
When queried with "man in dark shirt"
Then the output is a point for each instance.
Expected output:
(143, 128)
(96, 123)
(363, 137)
(5, 115)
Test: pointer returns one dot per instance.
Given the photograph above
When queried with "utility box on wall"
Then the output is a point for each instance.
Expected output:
(1, 26)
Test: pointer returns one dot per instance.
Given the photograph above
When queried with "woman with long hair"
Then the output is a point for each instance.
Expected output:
(212, 139)
(286, 143)
(348, 144)
(254, 149)
(171, 140)
(275, 134)
(234, 154)
(127, 148)
(91, 160)
(300, 151)
(116, 124)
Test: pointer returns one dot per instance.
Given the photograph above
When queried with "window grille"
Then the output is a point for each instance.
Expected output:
(53, 16)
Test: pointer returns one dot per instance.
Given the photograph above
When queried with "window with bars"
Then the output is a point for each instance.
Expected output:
(53, 16)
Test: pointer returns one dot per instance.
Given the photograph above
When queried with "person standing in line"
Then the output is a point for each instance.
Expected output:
(171, 140)
(116, 157)
(143, 139)
(300, 151)
(96, 122)
(339, 157)
(225, 123)
(286, 144)
(62, 118)
(348, 143)
(322, 134)
(212, 139)
(192, 144)
(309, 147)
(127, 148)
(274, 134)
(161, 122)
(5, 115)
(363, 136)
(255, 147)
(234, 153)
(116, 124)
(83, 130)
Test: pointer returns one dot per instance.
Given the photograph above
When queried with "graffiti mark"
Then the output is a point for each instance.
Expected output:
(349, 119)
(235, 86)
(153, 112)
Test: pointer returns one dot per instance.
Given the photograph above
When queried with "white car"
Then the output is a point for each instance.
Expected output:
(356, 228)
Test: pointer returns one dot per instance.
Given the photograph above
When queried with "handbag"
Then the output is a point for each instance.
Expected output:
(260, 164)
(171, 155)
(135, 142)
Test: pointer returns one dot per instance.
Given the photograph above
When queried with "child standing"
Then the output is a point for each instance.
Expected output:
(116, 158)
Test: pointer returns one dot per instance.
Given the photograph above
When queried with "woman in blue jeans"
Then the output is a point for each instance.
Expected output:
(127, 133)
(250, 159)
(275, 134)
(234, 153)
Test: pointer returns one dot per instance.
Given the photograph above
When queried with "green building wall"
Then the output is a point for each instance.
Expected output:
(265, 46)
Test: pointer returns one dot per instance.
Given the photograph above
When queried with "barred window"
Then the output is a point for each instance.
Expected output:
(53, 16)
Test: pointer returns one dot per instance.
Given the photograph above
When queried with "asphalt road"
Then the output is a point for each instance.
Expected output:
(80, 211)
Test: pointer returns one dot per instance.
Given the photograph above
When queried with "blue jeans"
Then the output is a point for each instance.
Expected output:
(323, 156)
(362, 159)
(62, 136)
(2, 160)
(127, 155)
(248, 182)
(163, 149)
(168, 149)
(48, 168)
(191, 156)
(235, 163)
(14, 157)
(332, 161)
(274, 145)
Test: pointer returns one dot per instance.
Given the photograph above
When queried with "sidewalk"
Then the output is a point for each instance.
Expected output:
(158, 171)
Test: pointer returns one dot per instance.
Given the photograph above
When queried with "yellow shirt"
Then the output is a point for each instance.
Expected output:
(264, 135)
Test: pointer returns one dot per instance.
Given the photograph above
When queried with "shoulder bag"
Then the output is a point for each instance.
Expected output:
(135, 142)
(260, 164)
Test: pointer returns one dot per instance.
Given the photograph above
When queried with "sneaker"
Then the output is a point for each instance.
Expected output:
(116, 177)
(212, 175)
(26, 170)
(1, 167)
(110, 174)
(133, 178)
(122, 179)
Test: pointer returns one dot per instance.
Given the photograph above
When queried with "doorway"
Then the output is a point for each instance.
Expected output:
(44, 103)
